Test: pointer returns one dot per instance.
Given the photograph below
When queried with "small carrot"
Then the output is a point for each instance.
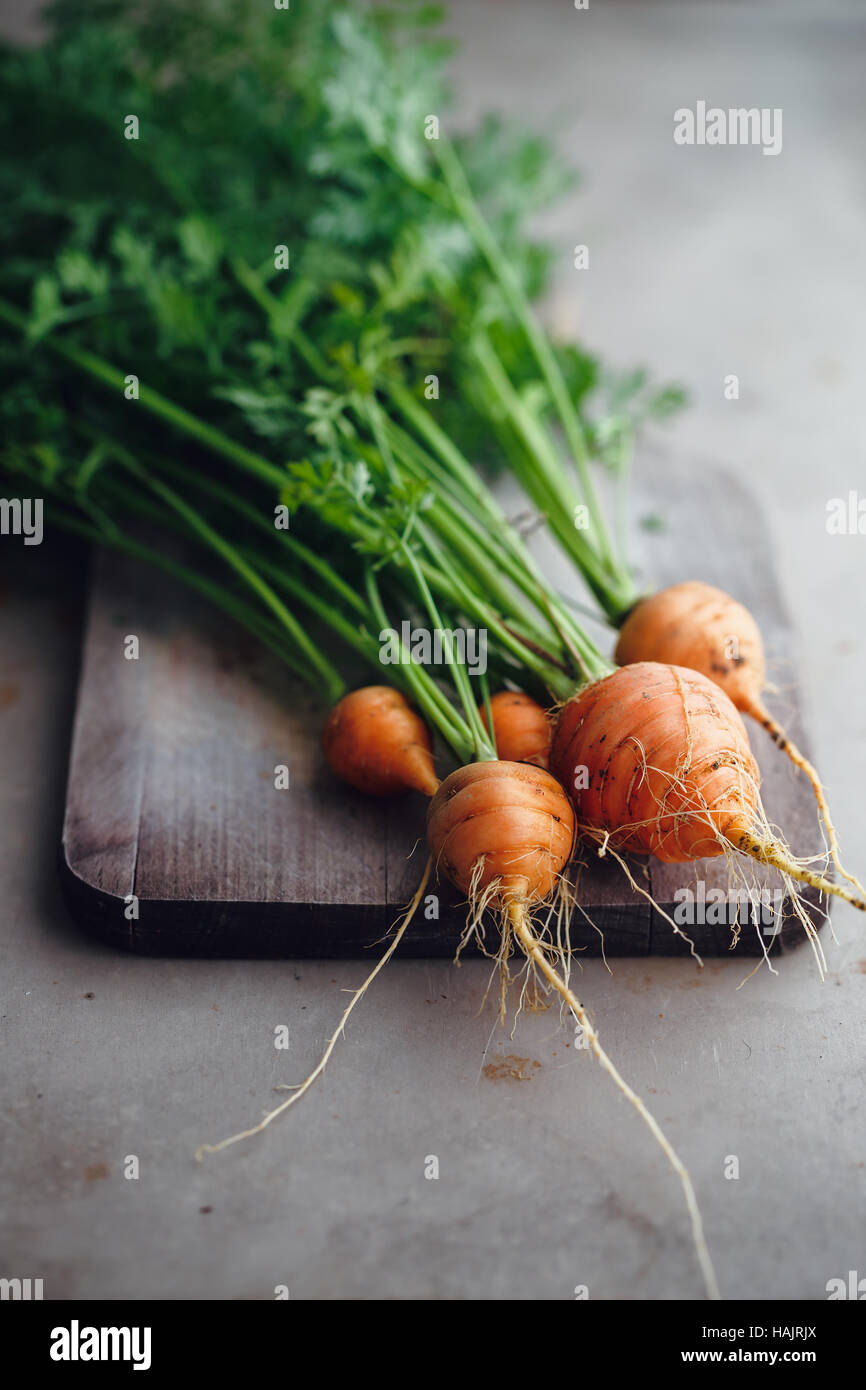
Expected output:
(375, 741)
(696, 625)
(521, 727)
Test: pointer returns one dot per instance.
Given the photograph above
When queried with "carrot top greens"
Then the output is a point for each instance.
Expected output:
(244, 268)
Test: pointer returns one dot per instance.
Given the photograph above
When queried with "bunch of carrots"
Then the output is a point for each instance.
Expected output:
(555, 747)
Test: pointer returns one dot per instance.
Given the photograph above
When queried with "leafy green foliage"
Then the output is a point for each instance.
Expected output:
(259, 128)
(275, 257)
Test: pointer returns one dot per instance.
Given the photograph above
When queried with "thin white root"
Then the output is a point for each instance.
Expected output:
(800, 761)
(524, 934)
(304, 1086)
(651, 900)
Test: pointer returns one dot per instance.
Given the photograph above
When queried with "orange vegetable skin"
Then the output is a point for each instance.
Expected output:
(521, 727)
(698, 626)
(512, 819)
(667, 763)
(376, 742)
(695, 625)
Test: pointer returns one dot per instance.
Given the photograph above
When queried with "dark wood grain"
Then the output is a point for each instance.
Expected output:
(171, 788)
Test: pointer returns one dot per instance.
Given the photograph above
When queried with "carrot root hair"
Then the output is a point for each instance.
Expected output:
(603, 849)
(759, 842)
(691, 624)
(801, 762)
(304, 1086)
(681, 802)
(539, 931)
(538, 958)
(767, 849)
(485, 905)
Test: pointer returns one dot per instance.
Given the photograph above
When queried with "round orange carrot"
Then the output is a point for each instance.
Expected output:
(502, 822)
(696, 625)
(521, 728)
(376, 742)
(656, 759)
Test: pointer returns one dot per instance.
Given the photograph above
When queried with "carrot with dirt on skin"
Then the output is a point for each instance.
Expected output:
(697, 625)
(656, 760)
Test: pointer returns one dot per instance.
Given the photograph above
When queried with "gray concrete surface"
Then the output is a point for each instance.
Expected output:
(703, 262)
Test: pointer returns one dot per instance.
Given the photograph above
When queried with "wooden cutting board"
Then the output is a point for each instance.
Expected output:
(171, 793)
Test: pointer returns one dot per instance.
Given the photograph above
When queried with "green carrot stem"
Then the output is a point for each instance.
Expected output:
(483, 747)
(544, 479)
(357, 638)
(367, 406)
(265, 632)
(154, 402)
(453, 729)
(367, 646)
(445, 447)
(486, 554)
(449, 583)
(229, 554)
(284, 323)
(468, 556)
(445, 580)
(349, 632)
(240, 506)
(473, 218)
(463, 470)
(488, 709)
(458, 466)
(516, 559)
